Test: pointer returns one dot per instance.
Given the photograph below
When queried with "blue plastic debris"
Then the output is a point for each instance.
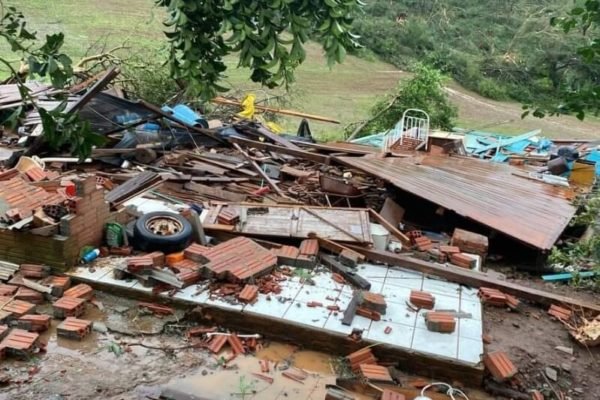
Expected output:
(187, 115)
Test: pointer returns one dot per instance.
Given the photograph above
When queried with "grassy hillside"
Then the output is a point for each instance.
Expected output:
(346, 92)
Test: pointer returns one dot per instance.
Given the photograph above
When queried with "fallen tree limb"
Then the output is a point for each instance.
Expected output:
(474, 279)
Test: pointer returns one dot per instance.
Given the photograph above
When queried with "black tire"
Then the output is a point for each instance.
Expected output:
(147, 240)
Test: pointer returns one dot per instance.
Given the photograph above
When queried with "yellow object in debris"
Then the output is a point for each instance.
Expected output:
(274, 127)
(248, 106)
(583, 173)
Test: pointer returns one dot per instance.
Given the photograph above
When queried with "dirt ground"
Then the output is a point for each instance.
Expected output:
(531, 338)
(129, 359)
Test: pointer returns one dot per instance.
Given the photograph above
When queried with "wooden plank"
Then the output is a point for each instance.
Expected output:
(474, 279)
(328, 222)
(332, 246)
(307, 155)
(258, 129)
(350, 310)
(258, 169)
(205, 167)
(214, 192)
(394, 231)
(348, 273)
(222, 100)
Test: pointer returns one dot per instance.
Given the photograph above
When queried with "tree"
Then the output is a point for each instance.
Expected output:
(61, 128)
(425, 91)
(267, 35)
(584, 95)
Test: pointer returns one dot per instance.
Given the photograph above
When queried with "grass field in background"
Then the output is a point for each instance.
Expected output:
(345, 92)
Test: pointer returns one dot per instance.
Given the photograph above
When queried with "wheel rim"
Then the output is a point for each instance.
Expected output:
(164, 226)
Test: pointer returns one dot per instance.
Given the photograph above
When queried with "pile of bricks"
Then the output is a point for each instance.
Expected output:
(34, 271)
(375, 373)
(228, 216)
(291, 256)
(81, 291)
(14, 309)
(360, 357)
(350, 258)
(248, 294)
(422, 299)
(440, 321)
(29, 295)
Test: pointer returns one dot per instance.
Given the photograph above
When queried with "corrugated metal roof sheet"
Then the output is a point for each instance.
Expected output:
(532, 212)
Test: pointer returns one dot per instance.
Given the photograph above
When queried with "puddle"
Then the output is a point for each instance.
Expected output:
(312, 361)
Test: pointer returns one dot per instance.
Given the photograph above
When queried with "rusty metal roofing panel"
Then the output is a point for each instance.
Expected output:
(532, 212)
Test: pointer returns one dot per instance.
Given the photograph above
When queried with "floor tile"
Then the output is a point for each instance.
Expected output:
(324, 280)
(471, 307)
(334, 323)
(272, 308)
(396, 294)
(91, 274)
(316, 293)
(401, 335)
(141, 288)
(191, 294)
(376, 287)
(403, 273)
(372, 273)
(220, 302)
(446, 303)
(467, 293)
(312, 316)
(399, 313)
(404, 278)
(289, 290)
(470, 350)
(442, 344)
(437, 286)
(109, 280)
(470, 328)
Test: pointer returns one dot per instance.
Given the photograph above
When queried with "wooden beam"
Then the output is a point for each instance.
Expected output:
(319, 158)
(474, 279)
(332, 246)
(222, 100)
(260, 171)
(393, 230)
(348, 273)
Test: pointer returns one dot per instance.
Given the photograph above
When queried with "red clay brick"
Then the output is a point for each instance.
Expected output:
(462, 260)
(560, 313)
(158, 309)
(19, 342)
(375, 372)
(537, 395)
(173, 258)
(362, 356)
(73, 328)
(492, 296)
(470, 242)
(68, 307)
(313, 304)
(29, 295)
(158, 258)
(248, 294)
(367, 313)
(185, 265)
(309, 247)
(34, 322)
(333, 307)
(350, 257)
(137, 265)
(374, 301)
(228, 217)
(81, 291)
(195, 252)
(499, 365)
(449, 249)
(422, 299)
(236, 344)
(217, 342)
(34, 271)
(439, 321)
(387, 330)
(16, 308)
(422, 243)
(8, 290)
(512, 302)
(286, 254)
(338, 278)
(200, 330)
(3, 331)
(58, 284)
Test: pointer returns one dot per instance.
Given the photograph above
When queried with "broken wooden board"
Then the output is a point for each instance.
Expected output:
(348, 273)
(290, 221)
(303, 154)
(214, 193)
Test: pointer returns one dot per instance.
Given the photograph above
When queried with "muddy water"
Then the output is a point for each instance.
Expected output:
(236, 381)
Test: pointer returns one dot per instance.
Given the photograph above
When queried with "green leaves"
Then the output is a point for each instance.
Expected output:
(267, 35)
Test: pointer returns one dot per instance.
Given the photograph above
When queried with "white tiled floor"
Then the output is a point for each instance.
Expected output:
(408, 326)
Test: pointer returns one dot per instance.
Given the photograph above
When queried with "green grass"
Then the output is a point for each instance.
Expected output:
(345, 92)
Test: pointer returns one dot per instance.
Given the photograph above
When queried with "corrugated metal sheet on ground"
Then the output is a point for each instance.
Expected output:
(531, 212)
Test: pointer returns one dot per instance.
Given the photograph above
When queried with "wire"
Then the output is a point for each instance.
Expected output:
(451, 390)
